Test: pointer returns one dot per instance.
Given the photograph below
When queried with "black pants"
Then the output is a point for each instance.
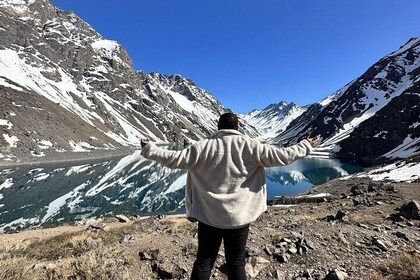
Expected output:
(209, 240)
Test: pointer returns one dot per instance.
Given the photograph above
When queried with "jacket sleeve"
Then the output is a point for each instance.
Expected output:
(184, 159)
(269, 155)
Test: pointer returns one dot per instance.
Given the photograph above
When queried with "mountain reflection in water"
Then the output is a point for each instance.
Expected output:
(65, 192)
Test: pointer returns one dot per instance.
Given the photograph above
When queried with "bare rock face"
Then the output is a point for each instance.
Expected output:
(66, 88)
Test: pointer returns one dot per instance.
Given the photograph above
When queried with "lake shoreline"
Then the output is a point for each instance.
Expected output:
(69, 157)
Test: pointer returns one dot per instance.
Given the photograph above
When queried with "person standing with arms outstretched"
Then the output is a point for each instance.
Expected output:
(225, 189)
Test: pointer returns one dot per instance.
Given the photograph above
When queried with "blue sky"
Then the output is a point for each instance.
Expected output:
(249, 54)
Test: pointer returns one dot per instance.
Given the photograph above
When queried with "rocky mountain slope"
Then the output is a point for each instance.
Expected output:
(375, 117)
(273, 120)
(64, 87)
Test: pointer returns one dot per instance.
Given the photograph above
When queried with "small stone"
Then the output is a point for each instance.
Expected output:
(329, 218)
(282, 244)
(410, 224)
(336, 274)
(281, 275)
(251, 252)
(90, 242)
(150, 254)
(259, 260)
(292, 250)
(341, 215)
(356, 201)
(122, 218)
(307, 274)
(299, 242)
(309, 244)
(250, 271)
(125, 239)
(402, 235)
(287, 240)
(269, 249)
(296, 234)
(387, 227)
(96, 226)
(4, 256)
(283, 258)
(166, 269)
(380, 244)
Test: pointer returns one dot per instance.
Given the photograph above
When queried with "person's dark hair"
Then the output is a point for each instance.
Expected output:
(228, 121)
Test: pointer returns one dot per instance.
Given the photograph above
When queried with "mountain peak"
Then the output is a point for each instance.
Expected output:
(274, 118)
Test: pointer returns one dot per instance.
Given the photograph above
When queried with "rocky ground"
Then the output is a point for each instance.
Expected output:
(359, 232)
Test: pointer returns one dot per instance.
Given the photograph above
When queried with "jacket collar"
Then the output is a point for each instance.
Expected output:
(226, 132)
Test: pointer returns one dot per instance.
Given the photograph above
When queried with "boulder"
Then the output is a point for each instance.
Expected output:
(358, 190)
(336, 274)
(341, 215)
(411, 210)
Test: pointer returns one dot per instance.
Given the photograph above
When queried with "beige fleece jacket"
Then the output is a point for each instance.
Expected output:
(226, 177)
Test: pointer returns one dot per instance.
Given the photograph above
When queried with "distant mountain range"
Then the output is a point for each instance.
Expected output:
(63, 87)
(274, 119)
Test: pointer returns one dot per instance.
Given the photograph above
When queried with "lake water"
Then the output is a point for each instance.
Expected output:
(64, 192)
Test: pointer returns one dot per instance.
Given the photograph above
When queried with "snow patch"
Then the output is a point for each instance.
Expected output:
(12, 140)
(41, 176)
(37, 154)
(7, 184)
(177, 185)
(408, 148)
(77, 169)
(397, 172)
(6, 123)
(314, 195)
(55, 206)
(44, 144)
(81, 146)
(118, 168)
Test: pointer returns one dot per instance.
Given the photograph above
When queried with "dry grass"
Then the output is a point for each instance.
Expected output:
(69, 256)
(404, 267)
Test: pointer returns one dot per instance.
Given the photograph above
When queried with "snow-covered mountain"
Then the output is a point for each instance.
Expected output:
(273, 120)
(374, 117)
(64, 87)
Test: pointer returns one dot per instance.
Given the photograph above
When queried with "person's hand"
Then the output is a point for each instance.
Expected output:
(143, 142)
(313, 140)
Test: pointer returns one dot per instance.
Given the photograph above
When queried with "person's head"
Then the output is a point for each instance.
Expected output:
(228, 121)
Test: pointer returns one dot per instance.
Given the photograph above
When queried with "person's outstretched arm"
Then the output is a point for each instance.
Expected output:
(269, 155)
(184, 159)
